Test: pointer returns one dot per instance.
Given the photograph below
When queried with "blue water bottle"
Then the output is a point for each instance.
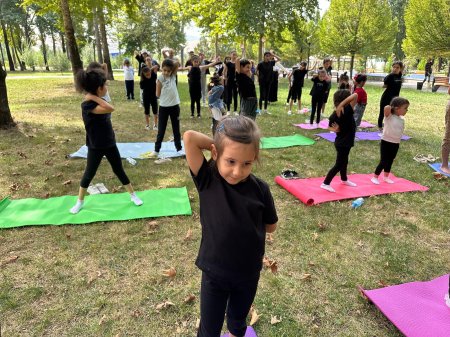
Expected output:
(357, 202)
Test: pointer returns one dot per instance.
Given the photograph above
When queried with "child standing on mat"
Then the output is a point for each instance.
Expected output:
(247, 90)
(100, 138)
(343, 123)
(393, 84)
(128, 72)
(318, 93)
(148, 87)
(298, 76)
(361, 102)
(169, 105)
(394, 125)
(215, 102)
(246, 213)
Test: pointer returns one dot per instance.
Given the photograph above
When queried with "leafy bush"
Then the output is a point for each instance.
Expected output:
(87, 54)
(59, 62)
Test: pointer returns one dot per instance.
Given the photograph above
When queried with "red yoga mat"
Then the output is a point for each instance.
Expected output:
(309, 192)
(417, 309)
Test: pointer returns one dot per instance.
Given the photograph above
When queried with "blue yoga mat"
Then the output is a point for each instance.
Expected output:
(135, 150)
(437, 168)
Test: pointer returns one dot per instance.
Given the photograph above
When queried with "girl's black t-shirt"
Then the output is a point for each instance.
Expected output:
(299, 77)
(246, 86)
(347, 127)
(319, 88)
(231, 71)
(393, 85)
(194, 76)
(148, 85)
(99, 131)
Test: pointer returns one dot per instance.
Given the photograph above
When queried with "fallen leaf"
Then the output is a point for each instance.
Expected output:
(275, 320)
(439, 176)
(136, 314)
(9, 260)
(321, 226)
(311, 264)
(67, 182)
(48, 162)
(59, 174)
(190, 298)
(14, 187)
(360, 244)
(305, 276)
(188, 235)
(21, 154)
(254, 315)
(102, 320)
(272, 264)
(315, 236)
(383, 284)
(15, 174)
(171, 272)
(46, 195)
(164, 305)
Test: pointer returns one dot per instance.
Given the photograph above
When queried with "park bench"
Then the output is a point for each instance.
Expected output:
(439, 81)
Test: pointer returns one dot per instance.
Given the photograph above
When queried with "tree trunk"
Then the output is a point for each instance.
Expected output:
(1, 51)
(44, 49)
(339, 63)
(351, 64)
(106, 58)
(216, 44)
(53, 43)
(260, 48)
(15, 52)
(98, 41)
(6, 120)
(72, 46)
(63, 42)
(8, 51)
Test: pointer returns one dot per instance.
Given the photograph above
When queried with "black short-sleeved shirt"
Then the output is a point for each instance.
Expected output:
(319, 88)
(347, 127)
(393, 84)
(233, 219)
(299, 77)
(231, 71)
(194, 76)
(99, 131)
(246, 85)
(265, 71)
(148, 85)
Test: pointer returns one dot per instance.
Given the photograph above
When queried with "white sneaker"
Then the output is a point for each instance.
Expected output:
(162, 160)
(141, 106)
(147, 127)
(315, 125)
(152, 154)
(327, 187)
(387, 180)
(380, 134)
(78, 206)
(375, 180)
(267, 112)
(235, 113)
(289, 112)
(136, 200)
(155, 128)
(349, 183)
(228, 113)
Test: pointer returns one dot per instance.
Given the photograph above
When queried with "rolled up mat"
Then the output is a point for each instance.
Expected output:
(417, 309)
(98, 207)
(309, 192)
(285, 141)
(360, 135)
(249, 333)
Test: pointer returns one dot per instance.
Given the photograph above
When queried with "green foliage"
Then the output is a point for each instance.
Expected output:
(29, 57)
(427, 28)
(59, 62)
(117, 61)
(87, 54)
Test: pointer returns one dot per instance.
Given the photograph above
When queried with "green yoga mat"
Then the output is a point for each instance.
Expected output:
(285, 141)
(98, 207)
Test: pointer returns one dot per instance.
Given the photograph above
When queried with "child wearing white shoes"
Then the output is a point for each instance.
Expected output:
(343, 123)
(394, 125)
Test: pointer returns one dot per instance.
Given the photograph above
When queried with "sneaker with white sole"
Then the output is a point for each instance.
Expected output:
(152, 154)
(147, 127)
(348, 183)
(387, 180)
(289, 112)
(327, 188)
(136, 200)
(162, 160)
(375, 180)
(155, 128)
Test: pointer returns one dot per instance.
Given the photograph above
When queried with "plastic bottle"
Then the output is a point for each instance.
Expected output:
(131, 161)
(357, 202)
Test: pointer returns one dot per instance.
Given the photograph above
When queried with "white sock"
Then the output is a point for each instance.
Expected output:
(375, 180)
(389, 181)
(327, 187)
(349, 183)
(135, 199)
(78, 206)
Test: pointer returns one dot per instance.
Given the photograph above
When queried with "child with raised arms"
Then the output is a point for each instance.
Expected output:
(246, 86)
(343, 123)
(100, 138)
(394, 125)
(236, 212)
(318, 93)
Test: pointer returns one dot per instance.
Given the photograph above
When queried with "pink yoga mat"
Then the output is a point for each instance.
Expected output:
(309, 192)
(249, 333)
(324, 125)
(417, 309)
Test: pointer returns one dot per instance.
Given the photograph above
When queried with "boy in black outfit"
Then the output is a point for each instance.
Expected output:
(246, 87)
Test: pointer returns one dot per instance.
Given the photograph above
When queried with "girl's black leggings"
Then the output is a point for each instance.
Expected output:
(316, 106)
(264, 91)
(342, 154)
(232, 94)
(194, 101)
(94, 158)
(388, 153)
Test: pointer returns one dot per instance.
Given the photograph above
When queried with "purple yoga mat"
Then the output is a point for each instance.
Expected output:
(249, 333)
(360, 135)
(417, 309)
(324, 125)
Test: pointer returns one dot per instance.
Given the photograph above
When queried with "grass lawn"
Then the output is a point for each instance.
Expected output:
(106, 279)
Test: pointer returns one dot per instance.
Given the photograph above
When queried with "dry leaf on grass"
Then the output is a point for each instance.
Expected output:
(102, 320)
(274, 320)
(67, 182)
(321, 226)
(9, 260)
(14, 187)
(315, 236)
(171, 272)
(136, 314)
(439, 176)
(164, 305)
(272, 264)
(189, 298)
(22, 155)
(383, 284)
(188, 235)
(305, 276)
(254, 315)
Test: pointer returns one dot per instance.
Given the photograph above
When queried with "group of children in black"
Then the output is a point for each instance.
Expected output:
(247, 212)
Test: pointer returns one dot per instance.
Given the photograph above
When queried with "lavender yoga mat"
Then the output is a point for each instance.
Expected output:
(417, 309)
(324, 125)
(249, 333)
(360, 135)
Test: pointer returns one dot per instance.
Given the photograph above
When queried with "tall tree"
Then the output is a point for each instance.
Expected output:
(398, 11)
(70, 37)
(6, 120)
(357, 27)
(102, 26)
(7, 48)
(427, 28)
